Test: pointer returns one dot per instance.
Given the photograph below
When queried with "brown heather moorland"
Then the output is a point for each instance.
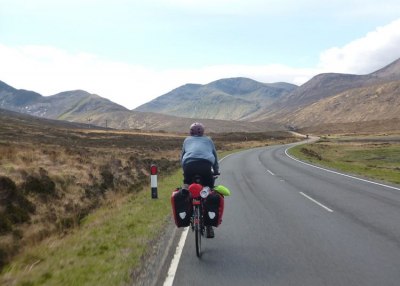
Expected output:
(52, 176)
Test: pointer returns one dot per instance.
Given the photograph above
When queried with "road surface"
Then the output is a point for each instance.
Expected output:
(288, 223)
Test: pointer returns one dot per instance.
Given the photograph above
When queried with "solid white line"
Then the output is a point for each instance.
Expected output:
(337, 173)
(321, 205)
(270, 172)
(175, 261)
(225, 157)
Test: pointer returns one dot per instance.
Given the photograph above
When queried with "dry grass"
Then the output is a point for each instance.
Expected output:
(67, 173)
(370, 157)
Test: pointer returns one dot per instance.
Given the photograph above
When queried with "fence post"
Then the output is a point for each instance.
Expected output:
(154, 171)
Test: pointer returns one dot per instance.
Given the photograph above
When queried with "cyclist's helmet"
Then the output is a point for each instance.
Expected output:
(197, 129)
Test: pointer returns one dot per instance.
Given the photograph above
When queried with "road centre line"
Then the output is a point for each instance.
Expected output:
(337, 173)
(318, 203)
(264, 165)
(169, 280)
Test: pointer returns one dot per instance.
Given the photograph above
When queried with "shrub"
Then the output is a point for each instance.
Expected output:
(310, 153)
(8, 189)
(94, 191)
(25, 204)
(108, 180)
(43, 185)
(3, 257)
(18, 234)
(5, 225)
(16, 214)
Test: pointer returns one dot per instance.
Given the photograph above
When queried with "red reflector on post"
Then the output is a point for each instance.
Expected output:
(153, 169)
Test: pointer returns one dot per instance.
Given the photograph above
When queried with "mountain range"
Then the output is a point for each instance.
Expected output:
(324, 86)
(229, 105)
(226, 99)
(79, 106)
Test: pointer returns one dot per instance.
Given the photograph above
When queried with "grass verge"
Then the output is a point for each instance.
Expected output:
(105, 249)
(375, 160)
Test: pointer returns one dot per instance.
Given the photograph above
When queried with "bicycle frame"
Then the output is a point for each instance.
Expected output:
(197, 223)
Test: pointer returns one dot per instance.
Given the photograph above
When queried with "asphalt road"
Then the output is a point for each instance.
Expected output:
(274, 234)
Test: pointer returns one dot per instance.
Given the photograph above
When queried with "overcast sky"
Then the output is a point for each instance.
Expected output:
(133, 51)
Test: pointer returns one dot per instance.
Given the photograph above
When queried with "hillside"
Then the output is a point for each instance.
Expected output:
(229, 105)
(227, 99)
(64, 105)
(77, 106)
(16, 100)
(323, 86)
(379, 127)
(159, 122)
(13, 117)
(373, 102)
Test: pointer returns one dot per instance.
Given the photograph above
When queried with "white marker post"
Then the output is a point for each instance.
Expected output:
(153, 172)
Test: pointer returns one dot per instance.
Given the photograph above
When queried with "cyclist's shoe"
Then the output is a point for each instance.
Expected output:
(210, 232)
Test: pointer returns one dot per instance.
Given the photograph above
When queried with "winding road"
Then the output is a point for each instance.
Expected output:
(289, 223)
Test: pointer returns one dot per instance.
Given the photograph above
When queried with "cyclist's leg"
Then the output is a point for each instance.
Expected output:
(201, 168)
(189, 171)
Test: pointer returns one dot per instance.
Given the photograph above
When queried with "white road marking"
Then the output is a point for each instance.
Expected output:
(264, 166)
(225, 157)
(175, 261)
(337, 173)
(321, 205)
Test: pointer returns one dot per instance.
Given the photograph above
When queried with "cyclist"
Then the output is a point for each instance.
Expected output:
(197, 158)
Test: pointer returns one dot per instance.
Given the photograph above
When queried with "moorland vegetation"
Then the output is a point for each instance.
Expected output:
(372, 156)
(52, 178)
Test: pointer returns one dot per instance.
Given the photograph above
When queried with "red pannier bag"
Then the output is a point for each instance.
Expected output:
(181, 207)
(213, 209)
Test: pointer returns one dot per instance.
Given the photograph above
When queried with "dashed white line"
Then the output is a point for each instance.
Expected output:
(270, 172)
(318, 203)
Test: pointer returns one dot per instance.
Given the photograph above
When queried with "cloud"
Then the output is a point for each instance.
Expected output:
(49, 70)
(365, 55)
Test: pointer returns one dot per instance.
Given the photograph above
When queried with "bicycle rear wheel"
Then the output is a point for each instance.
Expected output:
(197, 230)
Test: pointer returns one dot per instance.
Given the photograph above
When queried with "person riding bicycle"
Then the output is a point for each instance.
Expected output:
(197, 158)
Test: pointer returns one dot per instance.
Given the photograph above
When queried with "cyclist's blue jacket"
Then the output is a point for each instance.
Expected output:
(199, 148)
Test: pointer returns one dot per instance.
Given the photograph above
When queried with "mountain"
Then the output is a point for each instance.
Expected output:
(323, 86)
(9, 117)
(77, 106)
(367, 103)
(17, 100)
(65, 105)
(227, 99)
(244, 104)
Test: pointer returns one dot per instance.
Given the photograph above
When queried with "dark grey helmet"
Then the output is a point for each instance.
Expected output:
(197, 129)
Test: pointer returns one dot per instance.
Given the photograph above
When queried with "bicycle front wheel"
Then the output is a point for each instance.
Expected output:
(197, 230)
